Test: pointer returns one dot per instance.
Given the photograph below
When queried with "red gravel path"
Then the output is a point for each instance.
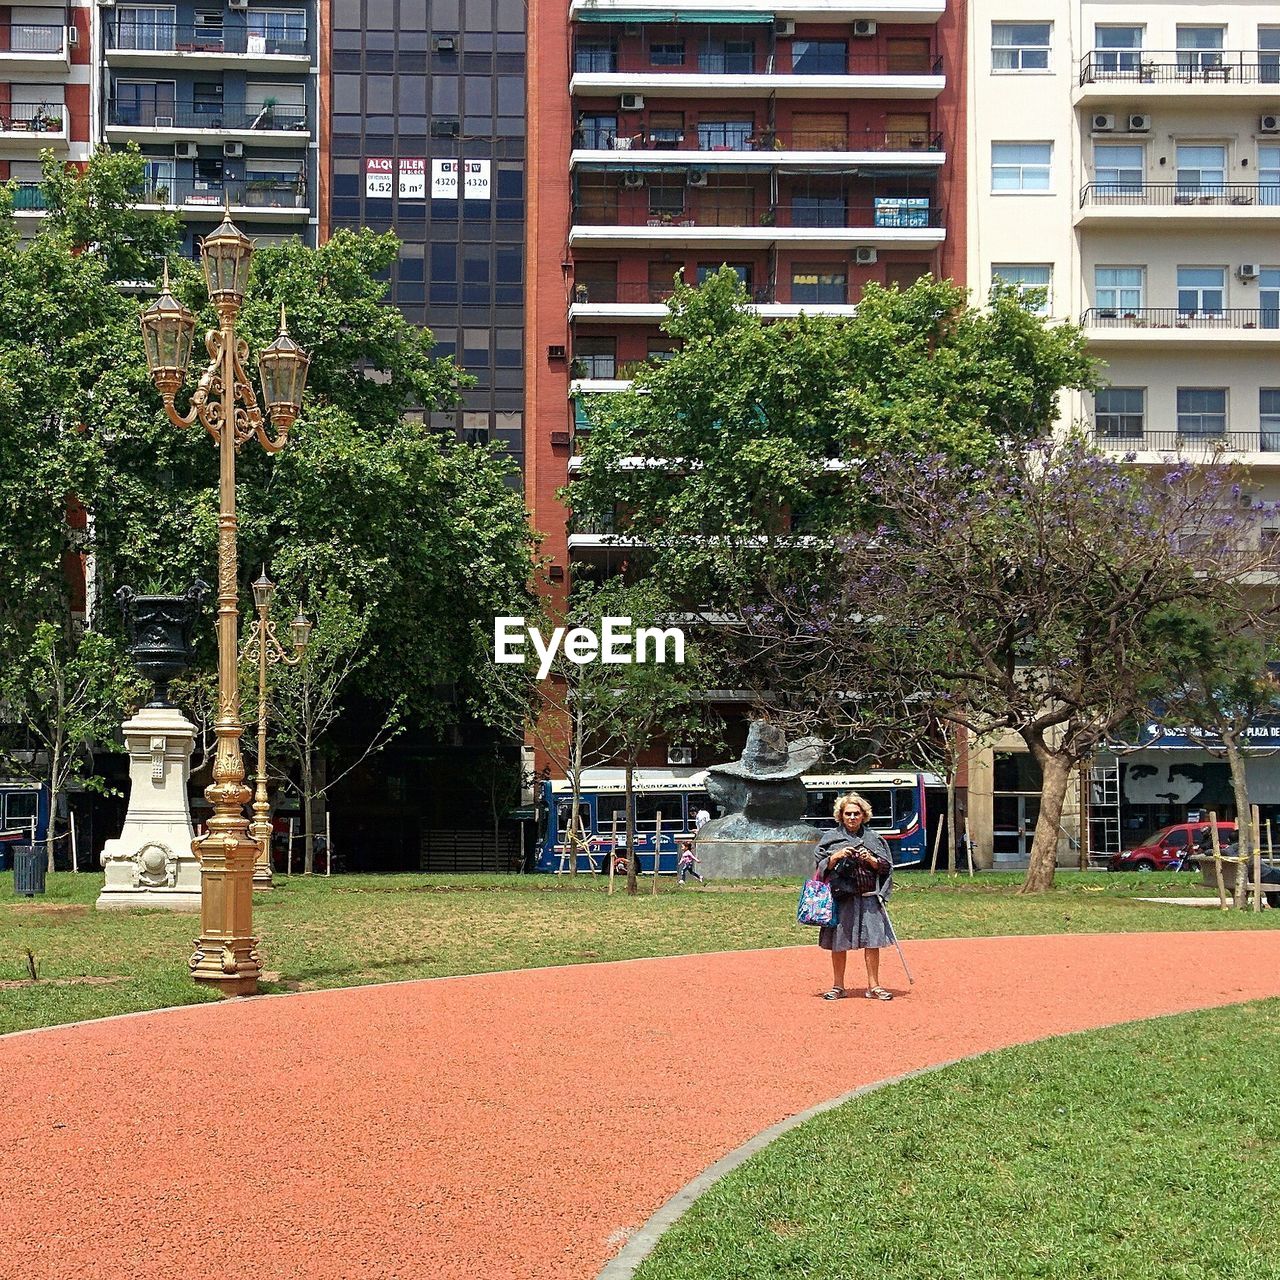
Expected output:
(512, 1126)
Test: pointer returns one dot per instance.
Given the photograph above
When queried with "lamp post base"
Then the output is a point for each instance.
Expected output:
(226, 954)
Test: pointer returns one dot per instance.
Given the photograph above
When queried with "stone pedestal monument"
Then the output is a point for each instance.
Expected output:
(151, 863)
(762, 831)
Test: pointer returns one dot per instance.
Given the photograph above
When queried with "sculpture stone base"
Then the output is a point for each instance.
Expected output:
(151, 864)
(757, 859)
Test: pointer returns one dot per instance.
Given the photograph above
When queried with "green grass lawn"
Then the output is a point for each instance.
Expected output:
(1144, 1152)
(360, 929)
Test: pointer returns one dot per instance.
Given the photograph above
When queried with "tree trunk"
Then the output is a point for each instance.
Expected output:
(576, 749)
(308, 808)
(55, 791)
(1244, 828)
(633, 862)
(1056, 773)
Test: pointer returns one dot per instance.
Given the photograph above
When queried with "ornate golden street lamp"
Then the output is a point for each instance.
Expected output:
(224, 403)
(262, 646)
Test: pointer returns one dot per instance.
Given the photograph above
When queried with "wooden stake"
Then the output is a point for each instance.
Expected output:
(75, 857)
(968, 847)
(657, 851)
(1257, 858)
(328, 845)
(1217, 859)
(288, 853)
(613, 853)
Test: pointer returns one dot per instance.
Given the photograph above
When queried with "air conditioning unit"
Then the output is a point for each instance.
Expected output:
(784, 27)
(186, 151)
(633, 180)
(697, 178)
(1269, 124)
(1103, 124)
(444, 44)
(555, 351)
(107, 4)
(631, 102)
(1139, 124)
(446, 128)
(864, 29)
(1248, 270)
(865, 256)
(679, 755)
(73, 36)
(559, 437)
(237, 4)
(233, 150)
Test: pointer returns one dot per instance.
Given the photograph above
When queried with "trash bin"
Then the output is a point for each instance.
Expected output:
(28, 870)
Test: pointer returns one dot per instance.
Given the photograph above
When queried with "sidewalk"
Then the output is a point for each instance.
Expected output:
(512, 1126)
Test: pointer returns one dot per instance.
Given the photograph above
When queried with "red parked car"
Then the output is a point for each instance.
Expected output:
(1160, 851)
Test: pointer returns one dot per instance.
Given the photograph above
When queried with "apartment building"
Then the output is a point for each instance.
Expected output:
(1126, 160)
(46, 78)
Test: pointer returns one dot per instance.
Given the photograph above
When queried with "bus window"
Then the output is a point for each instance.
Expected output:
(819, 805)
(606, 807)
(564, 811)
(651, 803)
(906, 807)
(20, 812)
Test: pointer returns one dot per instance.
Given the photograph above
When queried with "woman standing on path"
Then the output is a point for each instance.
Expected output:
(855, 862)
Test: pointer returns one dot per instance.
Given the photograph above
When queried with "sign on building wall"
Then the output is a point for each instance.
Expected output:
(471, 175)
(413, 180)
(377, 179)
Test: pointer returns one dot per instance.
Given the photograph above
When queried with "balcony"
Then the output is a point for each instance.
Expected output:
(1247, 75)
(28, 200)
(1149, 204)
(260, 199)
(33, 128)
(886, 222)
(601, 72)
(275, 126)
(1205, 442)
(1231, 327)
(163, 44)
(727, 149)
(638, 303)
(34, 47)
(904, 11)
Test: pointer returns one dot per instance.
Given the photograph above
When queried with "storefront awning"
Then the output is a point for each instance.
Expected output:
(667, 16)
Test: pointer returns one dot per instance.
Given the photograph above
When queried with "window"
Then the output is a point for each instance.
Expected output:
(1200, 49)
(475, 428)
(662, 276)
(1118, 290)
(1118, 169)
(144, 102)
(597, 357)
(660, 349)
(206, 100)
(1269, 418)
(1033, 283)
(666, 128)
(594, 55)
(819, 57)
(819, 284)
(1201, 290)
(1117, 48)
(1020, 166)
(1202, 413)
(666, 199)
(596, 132)
(742, 270)
(1119, 413)
(724, 135)
(1020, 46)
(277, 30)
(1201, 170)
(818, 211)
(1269, 55)
(733, 56)
(1269, 175)
(145, 28)
(666, 53)
(1269, 298)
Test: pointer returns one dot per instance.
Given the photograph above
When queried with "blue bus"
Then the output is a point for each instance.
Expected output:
(904, 809)
(24, 816)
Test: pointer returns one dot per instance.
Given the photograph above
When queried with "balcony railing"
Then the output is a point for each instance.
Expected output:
(221, 116)
(596, 59)
(252, 193)
(176, 37)
(705, 139)
(1181, 66)
(28, 197)
(640, 293)
(1175, 318)
(1139, 441)
(44, 118)
(26, 37)
(1163, 194)
(905, 213)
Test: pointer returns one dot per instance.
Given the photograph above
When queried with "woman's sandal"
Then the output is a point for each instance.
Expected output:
(878, 993)
(836, 993)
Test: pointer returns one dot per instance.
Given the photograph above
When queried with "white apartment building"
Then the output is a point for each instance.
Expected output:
(1126, 157)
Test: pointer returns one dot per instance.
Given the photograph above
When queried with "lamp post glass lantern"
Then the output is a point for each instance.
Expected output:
(262, 646)
(224, 403)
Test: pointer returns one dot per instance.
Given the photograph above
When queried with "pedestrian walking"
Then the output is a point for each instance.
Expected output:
(855, 862)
